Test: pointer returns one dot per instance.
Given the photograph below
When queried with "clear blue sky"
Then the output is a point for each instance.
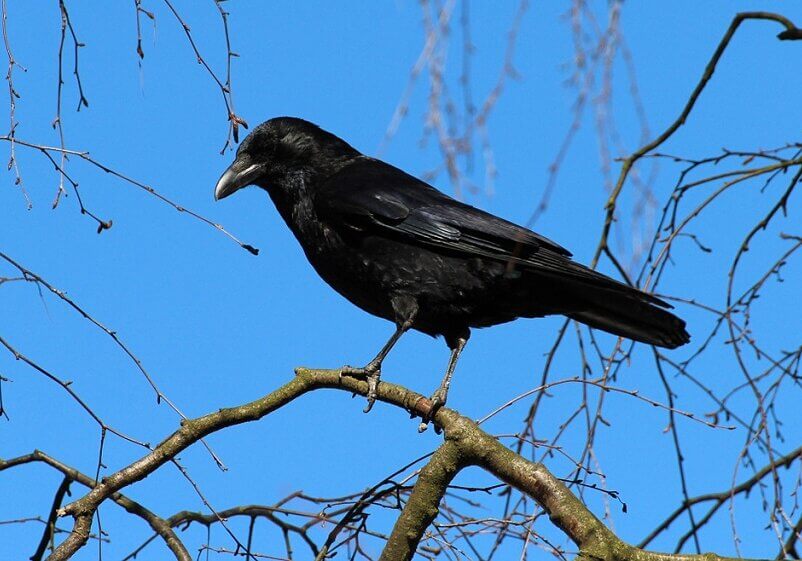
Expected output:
(217, 326)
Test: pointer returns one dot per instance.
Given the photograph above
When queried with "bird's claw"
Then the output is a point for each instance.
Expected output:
(373, 384)
(437, 400)
(363, 373)
(371, 374)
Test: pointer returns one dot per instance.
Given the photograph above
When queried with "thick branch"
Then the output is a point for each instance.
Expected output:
(566, 511)
(466, 444)
(422, 507)
(193, 430)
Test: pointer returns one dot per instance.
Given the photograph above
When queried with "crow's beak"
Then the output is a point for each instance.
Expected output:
(239, 175)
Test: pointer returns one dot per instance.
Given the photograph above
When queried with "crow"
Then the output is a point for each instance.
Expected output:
(402, 250)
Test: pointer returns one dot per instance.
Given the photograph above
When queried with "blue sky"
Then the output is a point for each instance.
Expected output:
(217, 326)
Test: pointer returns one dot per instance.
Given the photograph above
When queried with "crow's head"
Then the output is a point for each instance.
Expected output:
(280, 148)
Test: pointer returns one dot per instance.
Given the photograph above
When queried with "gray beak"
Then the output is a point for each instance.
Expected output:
(239, 175)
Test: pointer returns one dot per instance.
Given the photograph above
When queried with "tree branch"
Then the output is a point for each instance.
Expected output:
(721, 497)
(80, 532)
(466, 444)
(791, 33)
(50, 524)
(422, 507)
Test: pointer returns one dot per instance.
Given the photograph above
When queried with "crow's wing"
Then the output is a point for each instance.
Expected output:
(370, 192)
(376, 198)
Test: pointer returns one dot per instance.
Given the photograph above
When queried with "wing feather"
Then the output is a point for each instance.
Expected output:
(371, 196)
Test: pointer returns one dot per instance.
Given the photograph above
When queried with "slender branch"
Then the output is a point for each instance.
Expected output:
(82, 526)
(50, 524)
(185, 518)
(720, 498)
(791, 33)
(47, 150)
(66, 386)
(13, 95)
(234, 120)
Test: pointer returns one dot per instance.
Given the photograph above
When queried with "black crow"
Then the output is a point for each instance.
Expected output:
(400, 249)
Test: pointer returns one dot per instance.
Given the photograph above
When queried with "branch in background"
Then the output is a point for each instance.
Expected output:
(456, 132)
(58, 156)
(234, 121)
(47, 151)
(30, 276)
(520, 511)
(719, 499)
(628, 162)
(66, 386)
(13, 96)
(156, 523)
(604, 248)
(50, 524)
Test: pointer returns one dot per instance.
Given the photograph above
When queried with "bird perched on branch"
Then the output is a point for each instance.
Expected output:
(400, 249)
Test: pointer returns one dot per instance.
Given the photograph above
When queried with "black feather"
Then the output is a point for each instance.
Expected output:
(396, 246)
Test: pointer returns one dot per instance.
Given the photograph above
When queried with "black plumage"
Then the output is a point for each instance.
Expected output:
(402, 250)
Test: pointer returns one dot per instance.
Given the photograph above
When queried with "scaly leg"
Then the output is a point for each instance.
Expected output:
(371, 372)
(439, 397)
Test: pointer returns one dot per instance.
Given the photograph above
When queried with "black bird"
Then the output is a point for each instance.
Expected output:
(400, 249)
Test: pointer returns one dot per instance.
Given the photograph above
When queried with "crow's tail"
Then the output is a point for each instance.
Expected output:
(631, 313)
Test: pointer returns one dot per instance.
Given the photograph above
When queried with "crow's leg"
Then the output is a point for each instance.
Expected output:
(406, 310)
(371, 372)
(440, 395)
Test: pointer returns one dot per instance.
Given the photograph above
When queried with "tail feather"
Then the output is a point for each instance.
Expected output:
(630, 313)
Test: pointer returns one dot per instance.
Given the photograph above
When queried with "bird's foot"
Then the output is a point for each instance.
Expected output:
(371, 373)
(438, 399)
